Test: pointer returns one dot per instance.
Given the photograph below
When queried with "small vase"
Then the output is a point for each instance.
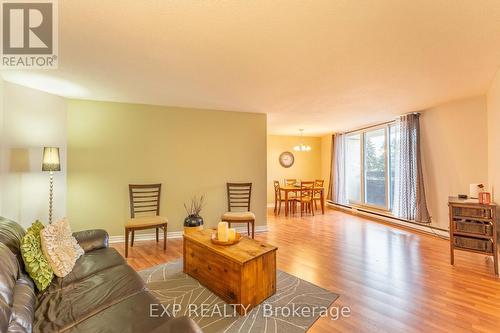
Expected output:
(193, 223)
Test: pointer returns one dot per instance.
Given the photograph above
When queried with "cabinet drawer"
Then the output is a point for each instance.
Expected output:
(474, 227)
(479, 212)
(483, 245)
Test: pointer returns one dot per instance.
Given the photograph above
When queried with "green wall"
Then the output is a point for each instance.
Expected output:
(189, 151)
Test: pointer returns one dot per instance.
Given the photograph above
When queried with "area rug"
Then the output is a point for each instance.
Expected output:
(296, 305)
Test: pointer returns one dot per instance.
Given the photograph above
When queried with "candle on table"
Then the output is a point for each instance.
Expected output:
(231, 234)
(222, 233)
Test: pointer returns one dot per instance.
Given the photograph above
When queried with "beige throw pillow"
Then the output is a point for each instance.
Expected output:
(60, 247)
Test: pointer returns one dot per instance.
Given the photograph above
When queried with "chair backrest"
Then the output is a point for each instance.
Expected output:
(290, 182)
(306, 188)
(319, 182)
(144, 199)
(277, 191)
(238, 195)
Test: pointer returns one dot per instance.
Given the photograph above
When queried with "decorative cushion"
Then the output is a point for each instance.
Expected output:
(238, 216)
(60, 247)
(35, 262)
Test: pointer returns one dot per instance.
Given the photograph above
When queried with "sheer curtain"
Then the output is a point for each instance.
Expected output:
(337, 179)
(409, 191)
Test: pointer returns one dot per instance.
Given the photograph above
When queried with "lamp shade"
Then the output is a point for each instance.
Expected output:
(51, 161)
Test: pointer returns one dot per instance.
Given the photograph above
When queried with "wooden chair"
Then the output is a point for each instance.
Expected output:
(238, 204)
(306, 197)
(318, 183)
(291, 182)
(277, 198)
(145, 212)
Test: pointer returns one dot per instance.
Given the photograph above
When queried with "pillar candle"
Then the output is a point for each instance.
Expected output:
(222, 233)
(231, 234)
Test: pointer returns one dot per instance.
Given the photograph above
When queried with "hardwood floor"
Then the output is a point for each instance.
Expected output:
(392, 279)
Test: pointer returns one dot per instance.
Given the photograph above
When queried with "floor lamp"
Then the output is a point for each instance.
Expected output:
(51, 163)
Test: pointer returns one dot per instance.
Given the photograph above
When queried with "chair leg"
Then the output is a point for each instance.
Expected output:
(126, 242)
(164, 238)
(253, 229)
(279, 208)
(157, 238)
(312, 207)
(248, 229)
(133, 234)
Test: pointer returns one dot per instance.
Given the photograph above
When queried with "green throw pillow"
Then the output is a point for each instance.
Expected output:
(35, 262)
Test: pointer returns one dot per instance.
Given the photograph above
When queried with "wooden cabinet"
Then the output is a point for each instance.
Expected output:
(240, 274)
(473, 228)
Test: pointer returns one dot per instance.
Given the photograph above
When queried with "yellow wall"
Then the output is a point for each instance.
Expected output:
(493, 105)
(307, 165)
(454, 152)
(32, 119)
(189, 151)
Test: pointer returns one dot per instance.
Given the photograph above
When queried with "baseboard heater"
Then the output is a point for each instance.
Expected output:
(391, 219)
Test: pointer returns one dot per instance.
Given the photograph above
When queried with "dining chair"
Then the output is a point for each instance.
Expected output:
(306, 197)
(238, 205)
(318, 189)
(277, 198)
(291, 182)
(145, 212)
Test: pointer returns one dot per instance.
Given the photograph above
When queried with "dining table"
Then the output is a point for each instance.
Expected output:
(287, 189)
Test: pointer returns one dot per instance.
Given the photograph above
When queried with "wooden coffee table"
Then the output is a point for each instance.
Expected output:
(242, 274)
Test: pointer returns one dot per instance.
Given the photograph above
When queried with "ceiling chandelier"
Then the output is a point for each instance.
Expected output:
(301, 146)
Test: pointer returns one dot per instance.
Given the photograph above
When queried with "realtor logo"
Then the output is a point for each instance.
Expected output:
(29, 34)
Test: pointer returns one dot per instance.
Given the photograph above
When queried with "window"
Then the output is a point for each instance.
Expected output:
(370, 159)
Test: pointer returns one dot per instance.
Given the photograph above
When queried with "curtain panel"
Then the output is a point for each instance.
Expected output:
(409, 197)
(329, 195)
(338, 192)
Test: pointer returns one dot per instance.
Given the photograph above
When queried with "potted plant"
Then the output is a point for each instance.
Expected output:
(194, 222)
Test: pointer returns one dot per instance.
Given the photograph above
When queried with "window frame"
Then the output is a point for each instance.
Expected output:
(362, 132)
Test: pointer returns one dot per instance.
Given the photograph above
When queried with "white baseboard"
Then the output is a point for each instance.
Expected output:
(174, 234)
(423, 228)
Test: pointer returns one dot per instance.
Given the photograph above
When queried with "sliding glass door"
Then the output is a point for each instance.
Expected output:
(369, 166)
(375, 168)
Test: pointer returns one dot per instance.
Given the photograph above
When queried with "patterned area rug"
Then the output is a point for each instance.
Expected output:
(296, 305)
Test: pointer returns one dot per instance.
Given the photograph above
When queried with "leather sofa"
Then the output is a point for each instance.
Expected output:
(101, 294)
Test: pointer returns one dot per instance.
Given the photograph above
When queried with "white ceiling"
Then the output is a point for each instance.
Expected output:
(321, 65)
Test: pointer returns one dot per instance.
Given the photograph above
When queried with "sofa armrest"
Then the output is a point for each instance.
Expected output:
(93, 239)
